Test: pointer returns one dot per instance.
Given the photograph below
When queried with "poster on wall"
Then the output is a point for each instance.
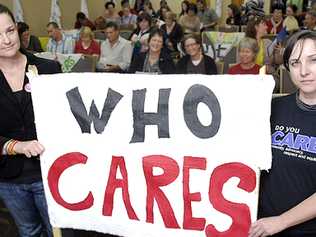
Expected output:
(151, 155)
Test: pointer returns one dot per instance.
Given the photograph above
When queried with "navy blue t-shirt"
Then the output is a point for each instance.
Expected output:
(292, 177)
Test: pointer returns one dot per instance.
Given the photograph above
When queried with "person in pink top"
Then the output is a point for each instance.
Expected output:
(248, 49)
(86, 44)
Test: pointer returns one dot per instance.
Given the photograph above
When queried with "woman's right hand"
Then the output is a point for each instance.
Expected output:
(29, 148)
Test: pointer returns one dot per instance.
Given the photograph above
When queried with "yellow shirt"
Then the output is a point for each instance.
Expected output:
(261, 54)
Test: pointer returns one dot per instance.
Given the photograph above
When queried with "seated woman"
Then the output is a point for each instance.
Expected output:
(82, 20)
(290, 21)
(184, 7)
(257, 29)
(268, 55)
(156, 60)
(86, 44)
(172, 31)
(140, 35)
(148, 8)
(28, 41)
(248, 49)
(110, 13)
(234, 15)
(100, 23)
(190, 22)
(195, 61)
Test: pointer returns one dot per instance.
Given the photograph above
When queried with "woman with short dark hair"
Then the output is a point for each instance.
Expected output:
(140, 35)
(287, 192)
(157, 60)
(28, 41)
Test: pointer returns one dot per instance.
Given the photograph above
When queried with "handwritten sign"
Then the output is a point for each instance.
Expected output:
(152, 155)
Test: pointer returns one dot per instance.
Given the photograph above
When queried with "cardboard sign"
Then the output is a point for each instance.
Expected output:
(153, 155)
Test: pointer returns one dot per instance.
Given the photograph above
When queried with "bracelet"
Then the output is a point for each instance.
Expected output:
(10, 147)
(4, 148)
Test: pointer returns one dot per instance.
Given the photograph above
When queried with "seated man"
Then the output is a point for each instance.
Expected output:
(59, 42)
(116, 52)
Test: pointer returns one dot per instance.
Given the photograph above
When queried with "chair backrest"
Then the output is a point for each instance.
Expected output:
(208, 46)
(286, 84)
(126, 34)
(243, 28)
(231, 28)
(220, 67)
(100, 35)
(87, 63)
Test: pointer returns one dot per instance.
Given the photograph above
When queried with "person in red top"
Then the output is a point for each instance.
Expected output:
(86, 44)
(248, 49)
(275, 24)
(82, 21)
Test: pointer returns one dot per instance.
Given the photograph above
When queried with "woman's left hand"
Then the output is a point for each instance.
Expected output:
(267, 226)
(29, 148)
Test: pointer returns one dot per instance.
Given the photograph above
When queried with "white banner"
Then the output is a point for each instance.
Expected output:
(84, 8)
(18, 11)
(55, 12)
(151, 155)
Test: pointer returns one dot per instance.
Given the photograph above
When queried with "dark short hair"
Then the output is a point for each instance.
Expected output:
(81, 15)
(5, 10)
(155, 31)
(235, 9)
(192, 7)
(108, 4)
(278, 6)
(196, 37)
(201, 1)
(293, 7)
(112, 24)
(22, 27)
(144, 16)
(292, 41)
(53, 24)
(124, 2)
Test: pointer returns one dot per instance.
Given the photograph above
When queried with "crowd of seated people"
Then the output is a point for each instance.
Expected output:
(164, 42)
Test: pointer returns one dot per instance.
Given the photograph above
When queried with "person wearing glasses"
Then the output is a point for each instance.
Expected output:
(195, 61)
